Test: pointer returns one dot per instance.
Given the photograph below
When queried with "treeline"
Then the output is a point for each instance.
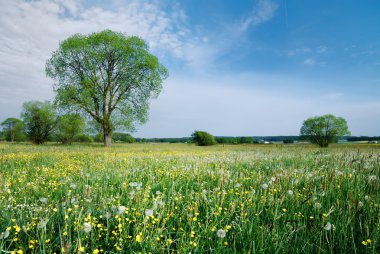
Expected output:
(362, 138)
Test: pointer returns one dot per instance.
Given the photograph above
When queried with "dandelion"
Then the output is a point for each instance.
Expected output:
(42, 223)
(4, 235)
(318, 205)
(264, 186)
(327, 226)
(81, 249)
(372, 178)
(149, 212)
(96, 251)
(73, 186)
(43, 200)
(87, 227)
(360, 204)
(290, 192)
(237, 185)
(139, 238)
(221, 233)
(121, 210)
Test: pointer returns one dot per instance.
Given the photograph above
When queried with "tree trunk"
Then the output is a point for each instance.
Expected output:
(107, 138)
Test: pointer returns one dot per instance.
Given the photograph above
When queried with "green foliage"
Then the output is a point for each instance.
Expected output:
(288, 141)
(122, 137)
(69, 127)
(108, 76)
(39, 119)
(325, 129)
(13, 130)
(83, 138)
(203, 138)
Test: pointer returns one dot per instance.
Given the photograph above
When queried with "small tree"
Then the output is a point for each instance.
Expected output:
(107, 76)
(203, 138)
(325, 129)
(69, 127)
(13, 129)
(39, 119)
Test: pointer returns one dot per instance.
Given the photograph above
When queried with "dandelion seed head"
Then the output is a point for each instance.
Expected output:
(221, 233)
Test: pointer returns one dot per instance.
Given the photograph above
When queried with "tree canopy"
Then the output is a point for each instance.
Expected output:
(325, 129)
(70, 127)
(107, 76)
(39, 119)
(203, 138)
(13, 129)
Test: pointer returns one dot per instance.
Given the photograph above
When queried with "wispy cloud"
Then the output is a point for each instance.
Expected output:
(261, 13)
(309, 62)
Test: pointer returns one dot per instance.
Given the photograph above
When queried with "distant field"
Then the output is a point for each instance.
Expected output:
(179, 198)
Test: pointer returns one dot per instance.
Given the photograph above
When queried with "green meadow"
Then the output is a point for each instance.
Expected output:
(179, 198)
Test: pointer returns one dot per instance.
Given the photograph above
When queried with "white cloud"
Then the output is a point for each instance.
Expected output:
(250, 104)
(31, 30)
(309, 62)
(263, 12)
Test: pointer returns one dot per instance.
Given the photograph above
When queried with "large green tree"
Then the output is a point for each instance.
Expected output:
(108, 76)
(325, 129)
(39, 119)
(13, 129)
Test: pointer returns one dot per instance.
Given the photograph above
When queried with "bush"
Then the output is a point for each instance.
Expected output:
(203, 138)
(122, 137)
(84, 139)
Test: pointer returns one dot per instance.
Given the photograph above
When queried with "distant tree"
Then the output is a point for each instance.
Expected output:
(13, 129)
(203, 138)
(325, 129)
(107, 76)
(288, 141)
(123, 137)
(246, 140)
(69, 127)
(39, 119)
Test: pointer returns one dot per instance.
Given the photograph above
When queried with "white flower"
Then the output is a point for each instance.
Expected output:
(73, 186)
(43, 200)
(4, 235)
(366, 197)
(237, 185)
(121, 210)
(107, 215)
(318, 205)
(372, 178)
(133, 184)
(87, 227)
(360, 204)
(42, 223)
(221, 233)
(264, 186)
(327, 226)
(290, 192)
(273, 179)
(158, 192)
(149, 212)
(74, 201)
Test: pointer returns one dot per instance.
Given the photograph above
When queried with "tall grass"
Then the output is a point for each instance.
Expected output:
(186, 199)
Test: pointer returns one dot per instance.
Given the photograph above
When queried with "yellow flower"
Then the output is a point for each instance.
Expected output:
(81, 249)
(139, 238)
(364, 242)
(96, 251)
(20, 252)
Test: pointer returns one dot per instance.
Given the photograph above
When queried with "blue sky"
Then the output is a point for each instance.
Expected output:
(257, 67)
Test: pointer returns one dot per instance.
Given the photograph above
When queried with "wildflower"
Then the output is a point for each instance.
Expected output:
(87, 227)
(317, 205)
(121, 210)
(372, 178)
(327, 226)
(42, 223)
(221, 233)
(264, 186)
(43, 200)
(4, 235)
(290, 192)
(360, 204)
(73, 186)
(81, 249)
(149, 212)
(237, 185)
(139, 238)
(96, 251)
